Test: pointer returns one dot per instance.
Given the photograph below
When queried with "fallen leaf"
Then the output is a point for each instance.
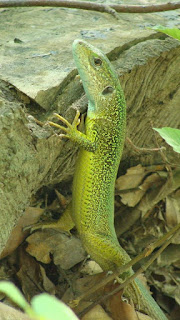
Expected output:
(30, 216)
(81, 287)
(120, 310)
(172, 214)
(91, 267)
(169, 256)
(97, 313)
(131, 179)
(131, 198)
(32, 277)
(173, 209)
(66, 250)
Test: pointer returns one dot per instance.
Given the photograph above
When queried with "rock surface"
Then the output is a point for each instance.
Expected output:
(38, 77)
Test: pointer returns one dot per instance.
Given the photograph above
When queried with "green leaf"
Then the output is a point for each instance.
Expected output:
(14, 294)
(171, 136)
(174, 32)
(51, 308)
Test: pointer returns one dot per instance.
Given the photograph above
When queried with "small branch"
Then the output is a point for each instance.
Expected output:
(172, 233)
(147, 251)
(146, 8)
(86, 5)
(138, 149)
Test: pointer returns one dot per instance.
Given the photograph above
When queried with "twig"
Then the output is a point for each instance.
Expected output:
(144, 149)
(147, 251)
(163, 155)
(86, 5)
(175, 230)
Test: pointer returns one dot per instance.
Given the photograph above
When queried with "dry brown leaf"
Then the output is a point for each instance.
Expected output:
(91, 267)
(167, 280)
(30, 216)
(175, 313)
(172, 214)
(47, 283)
(80, 287)
(66, 250)
(131, 179)
(62, 200)
(131, 198)
(142, 316)
(32, 277)
(171, 255)
(97, 313)
(119, 309)
(173, 209)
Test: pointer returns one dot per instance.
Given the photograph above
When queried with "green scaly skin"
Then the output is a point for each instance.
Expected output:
(100, 151)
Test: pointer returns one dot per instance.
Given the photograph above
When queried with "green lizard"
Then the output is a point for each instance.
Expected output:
(100, 151)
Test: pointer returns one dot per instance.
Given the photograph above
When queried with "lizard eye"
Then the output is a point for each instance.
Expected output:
(107, 90)
(97, 61)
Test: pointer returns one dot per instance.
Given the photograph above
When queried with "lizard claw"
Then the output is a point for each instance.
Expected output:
(70, 127)
(76, 120)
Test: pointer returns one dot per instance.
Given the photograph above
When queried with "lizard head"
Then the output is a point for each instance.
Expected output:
(98, 76)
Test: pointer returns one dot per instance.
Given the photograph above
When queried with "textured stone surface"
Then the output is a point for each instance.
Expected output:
(38, 77)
